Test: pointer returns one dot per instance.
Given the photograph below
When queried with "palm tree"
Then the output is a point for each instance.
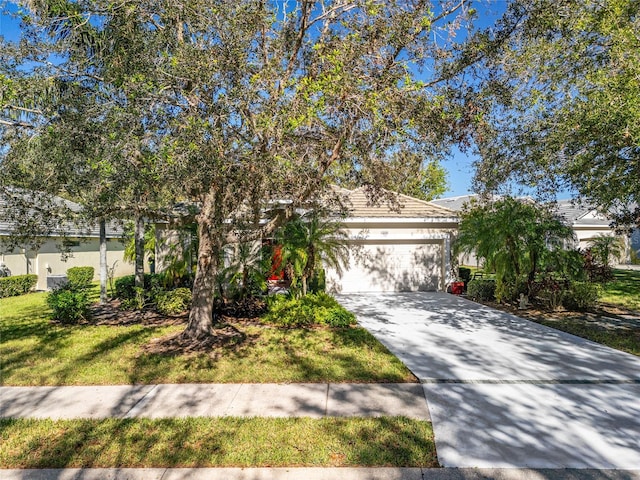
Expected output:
(310, 241)
(606, 248)
(512, 236)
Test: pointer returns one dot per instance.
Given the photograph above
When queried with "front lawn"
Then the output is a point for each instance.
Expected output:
(217, 442)
(624, 291)
(36, 351)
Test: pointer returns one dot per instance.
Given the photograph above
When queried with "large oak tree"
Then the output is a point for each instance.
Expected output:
(253, 106)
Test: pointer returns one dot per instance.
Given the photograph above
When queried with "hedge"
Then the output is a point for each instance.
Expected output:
(17, 285)
(80, 277)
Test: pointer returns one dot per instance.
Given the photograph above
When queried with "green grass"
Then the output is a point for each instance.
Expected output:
(217, 442)
(624, 290)
(603, 331)
(35, 351)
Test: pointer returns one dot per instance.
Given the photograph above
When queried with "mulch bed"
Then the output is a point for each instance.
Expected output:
(111, 313)
(604, 315)
(223, 336)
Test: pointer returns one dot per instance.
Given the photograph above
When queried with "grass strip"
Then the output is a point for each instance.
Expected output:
(217, 442)
(35, 351)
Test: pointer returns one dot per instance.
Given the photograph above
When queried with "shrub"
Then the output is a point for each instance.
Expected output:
(69, 305)
(551, 297)
(581, 296)
(80, 277)
(135, 302)
(509, 291)
(339, 317)
(126, 286)
(312, 309)
(465, 274)
(482, 289)
(17, 285)
(173, 302)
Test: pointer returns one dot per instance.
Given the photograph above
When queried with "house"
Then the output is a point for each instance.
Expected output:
(82, 249)
(395, 249)
(587, 223)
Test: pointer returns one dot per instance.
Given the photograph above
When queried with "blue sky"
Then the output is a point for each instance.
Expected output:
(459, 166)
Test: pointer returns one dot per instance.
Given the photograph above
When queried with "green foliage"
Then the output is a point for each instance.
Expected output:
(567, 109)
(80, 277)
(606, 249)
(581, 296)
(125, 288)
(173, 302)
(137, 300)
(509, 291)
(514, 238)
(318, 283)
(238, 109)
(309, 242)
(551, 294)
(247, 271)
(128, 239)
(69, 304)
(309, 310)
(481, 289)
(17, 285)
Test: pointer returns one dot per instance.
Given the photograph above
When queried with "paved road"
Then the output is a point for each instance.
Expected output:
(506, 392)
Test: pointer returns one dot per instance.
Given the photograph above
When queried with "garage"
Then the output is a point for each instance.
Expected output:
(392, 266)
(395, 250)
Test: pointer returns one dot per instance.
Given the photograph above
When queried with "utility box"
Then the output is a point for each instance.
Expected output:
(56, 281)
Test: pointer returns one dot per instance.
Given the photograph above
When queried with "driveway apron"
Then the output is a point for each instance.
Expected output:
(506, 392)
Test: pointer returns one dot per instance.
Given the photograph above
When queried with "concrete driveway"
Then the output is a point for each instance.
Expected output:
(506, 392)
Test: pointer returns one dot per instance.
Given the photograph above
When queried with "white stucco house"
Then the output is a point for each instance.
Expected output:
(83, 250)
(395, 250)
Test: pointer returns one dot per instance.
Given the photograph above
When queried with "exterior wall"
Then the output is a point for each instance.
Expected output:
(48, 260)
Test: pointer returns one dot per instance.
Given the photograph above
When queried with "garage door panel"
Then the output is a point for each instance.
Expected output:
(389, 267)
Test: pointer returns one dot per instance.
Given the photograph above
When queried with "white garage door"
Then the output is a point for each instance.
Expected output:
(390, 267)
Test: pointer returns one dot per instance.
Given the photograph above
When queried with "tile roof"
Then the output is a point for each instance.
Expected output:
(68, 228)
(408, 207)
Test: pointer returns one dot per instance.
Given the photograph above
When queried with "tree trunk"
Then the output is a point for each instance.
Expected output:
(202, 303)
(139, 247)
(103, 261)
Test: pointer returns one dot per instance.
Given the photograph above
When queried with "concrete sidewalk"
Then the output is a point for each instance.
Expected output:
(314, 400)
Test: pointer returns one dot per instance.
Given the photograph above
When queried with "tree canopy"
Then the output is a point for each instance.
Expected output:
(244, 108)
(563, 102)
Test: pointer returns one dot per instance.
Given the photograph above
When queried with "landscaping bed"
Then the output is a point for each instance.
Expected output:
(610, 325)
(127, 348)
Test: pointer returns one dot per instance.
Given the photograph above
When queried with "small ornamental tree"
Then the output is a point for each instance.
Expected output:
(512, 236)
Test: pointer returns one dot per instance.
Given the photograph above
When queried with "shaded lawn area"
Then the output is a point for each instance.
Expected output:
(217, 442)
(615, 322)
(624, 291)
(36, 351)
